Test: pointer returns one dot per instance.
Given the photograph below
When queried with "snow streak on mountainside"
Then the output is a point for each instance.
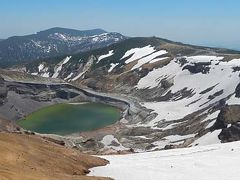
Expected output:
(214, 162)
(110, 53)
(59, 67)
(188, 92)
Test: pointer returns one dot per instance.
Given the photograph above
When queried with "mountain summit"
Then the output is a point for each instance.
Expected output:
(72, 32)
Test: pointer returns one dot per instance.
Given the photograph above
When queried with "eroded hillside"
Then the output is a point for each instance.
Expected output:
(28, 157)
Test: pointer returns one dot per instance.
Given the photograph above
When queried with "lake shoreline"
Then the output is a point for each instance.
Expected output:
(68, 118)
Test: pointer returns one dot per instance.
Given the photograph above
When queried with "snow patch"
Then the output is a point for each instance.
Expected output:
(195, 83)
(138, 53)
(209, 138)
(107, 141)
(112, 67)
(78, 76)
(172, 139)
(148, 58)
(58, 68)
(68, 77)
(84, 70)
(196, 59)
(212, 116)
(40, 67)
(46, 75)
(210, 124)
(233, 100)
(158, 59)
(110, 53)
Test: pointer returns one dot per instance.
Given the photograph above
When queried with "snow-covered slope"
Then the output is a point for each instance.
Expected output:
(220, 77)
(213, 162)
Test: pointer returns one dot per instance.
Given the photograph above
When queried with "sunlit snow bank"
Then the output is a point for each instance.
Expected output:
(213, 162)
(110, 53)
(143, 55)
(58, 68)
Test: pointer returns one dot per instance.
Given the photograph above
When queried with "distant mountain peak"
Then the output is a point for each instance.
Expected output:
(73, 32)
(54, 42)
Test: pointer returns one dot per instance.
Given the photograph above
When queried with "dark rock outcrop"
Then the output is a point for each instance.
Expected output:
(230, 134)
(237, 91)
(3, 90)
(228, 120)
(218, 93)
(198, 68)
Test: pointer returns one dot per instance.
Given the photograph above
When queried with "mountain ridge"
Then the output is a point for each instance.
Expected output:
(52, 42)
(92, 32)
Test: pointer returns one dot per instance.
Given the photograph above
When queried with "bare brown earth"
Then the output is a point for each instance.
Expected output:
(7, 126)
(29, 157)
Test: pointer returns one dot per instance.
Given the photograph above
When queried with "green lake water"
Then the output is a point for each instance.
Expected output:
(66, 119)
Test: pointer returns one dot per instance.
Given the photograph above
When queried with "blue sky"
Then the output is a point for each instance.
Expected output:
(204, 22)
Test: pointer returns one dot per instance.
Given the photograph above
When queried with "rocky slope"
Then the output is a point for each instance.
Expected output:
(22, 97)
(28, 157)
(23, 94)
(53, 42)
(177, 92)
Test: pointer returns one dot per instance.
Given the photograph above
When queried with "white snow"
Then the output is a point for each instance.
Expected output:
(112, 67)
(143, 55)
(82, 39)
(233, 100)
(110, 53)
(46, 74)
(138, 53)
(210, 124)
(168, 110)
(61, 36)
(69, 76)
(193, 59)
(170, 126)
(220, 76)
(40, 67)
(158, 59)
(148, 58)
(83, 70)
(78, 103)
(108, 139)
(214, 162)
(209, 138)
(172, 139)
(100, 37)
(43, 71)
(78, 76)
(212, 116)
(58, 67)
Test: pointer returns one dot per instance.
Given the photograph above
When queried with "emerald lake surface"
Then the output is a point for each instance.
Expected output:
(66, 119)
